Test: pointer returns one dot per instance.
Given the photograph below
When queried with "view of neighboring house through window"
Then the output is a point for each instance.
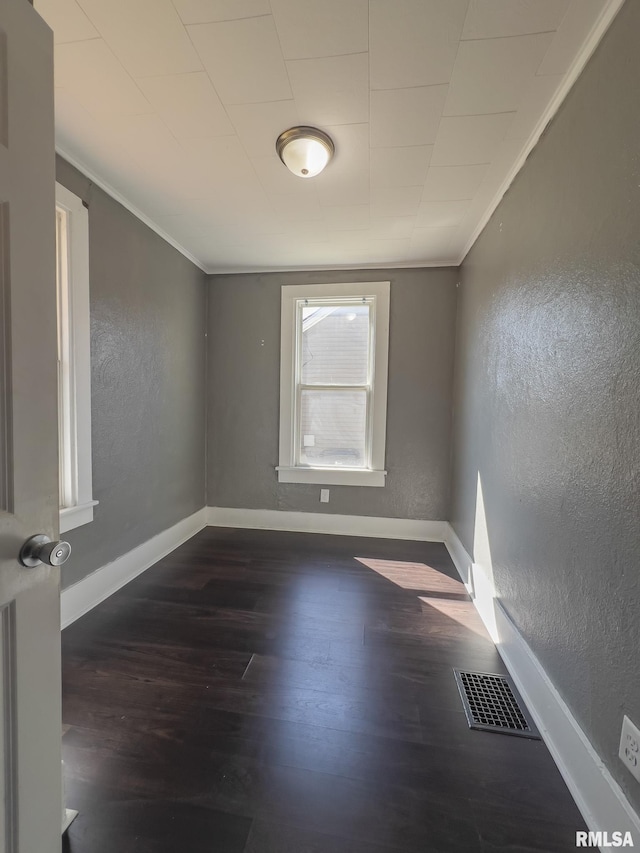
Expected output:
(335, 386)
(74, 367)
(333, 383)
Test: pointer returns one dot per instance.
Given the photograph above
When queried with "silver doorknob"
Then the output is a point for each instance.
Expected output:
(40, 549)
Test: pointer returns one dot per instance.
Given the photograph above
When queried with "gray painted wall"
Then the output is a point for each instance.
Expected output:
(244, 380)
(547, 395)
(148, 314)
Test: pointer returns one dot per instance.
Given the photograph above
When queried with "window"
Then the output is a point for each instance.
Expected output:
(74, 364)
(333, 383)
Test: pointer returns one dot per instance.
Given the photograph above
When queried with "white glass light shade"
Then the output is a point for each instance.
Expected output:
(305, 157)
(305, 151)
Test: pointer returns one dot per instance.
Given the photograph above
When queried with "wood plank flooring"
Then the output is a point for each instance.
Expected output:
(263, 692)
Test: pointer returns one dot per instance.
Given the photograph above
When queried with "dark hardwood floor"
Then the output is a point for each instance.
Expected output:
(292, 693)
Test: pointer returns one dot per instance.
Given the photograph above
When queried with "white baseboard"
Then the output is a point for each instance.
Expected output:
(461, 559)
(320, 522)
(78, 599)
(600, 799)
(598, 796)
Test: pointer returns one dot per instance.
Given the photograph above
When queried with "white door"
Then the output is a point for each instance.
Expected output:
(30, 806)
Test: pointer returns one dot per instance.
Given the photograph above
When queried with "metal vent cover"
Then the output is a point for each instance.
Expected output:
(491, 704)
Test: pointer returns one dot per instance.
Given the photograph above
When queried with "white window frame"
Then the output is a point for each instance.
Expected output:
(287, 469)
(74, 361)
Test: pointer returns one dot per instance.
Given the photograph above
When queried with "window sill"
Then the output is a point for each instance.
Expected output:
(332, 476)
(76, 516)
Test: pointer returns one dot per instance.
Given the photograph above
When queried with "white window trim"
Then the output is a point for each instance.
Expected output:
(81, 510)
(287, 471)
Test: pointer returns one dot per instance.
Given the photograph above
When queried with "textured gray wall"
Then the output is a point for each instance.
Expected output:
(547, 395)
(148, 313)
(244, 381)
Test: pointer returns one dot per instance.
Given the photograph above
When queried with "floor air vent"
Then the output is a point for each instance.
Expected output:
(491, 705)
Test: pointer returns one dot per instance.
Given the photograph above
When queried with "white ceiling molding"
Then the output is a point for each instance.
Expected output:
(600, 27)
(433, 108)
(370, 265)
(117, 196)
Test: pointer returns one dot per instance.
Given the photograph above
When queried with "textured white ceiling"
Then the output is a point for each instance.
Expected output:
(432, 105)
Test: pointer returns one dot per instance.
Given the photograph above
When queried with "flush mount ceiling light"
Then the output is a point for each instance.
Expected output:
(305, 151)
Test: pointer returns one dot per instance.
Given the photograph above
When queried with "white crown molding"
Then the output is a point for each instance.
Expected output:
(78, 599)
(111, 191)
(320, 522)
(408, 265)
(600, 799)
(599, 28)
(602, 24)
(106, 187)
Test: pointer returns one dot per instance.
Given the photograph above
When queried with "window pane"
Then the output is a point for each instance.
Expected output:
(64, 356)
(335, 345)
(333, 428)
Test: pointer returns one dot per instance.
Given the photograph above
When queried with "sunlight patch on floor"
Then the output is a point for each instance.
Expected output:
(462, 612)
(414, 576)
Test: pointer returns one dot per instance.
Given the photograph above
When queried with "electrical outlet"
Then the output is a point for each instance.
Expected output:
(630, 747)
(324, 496)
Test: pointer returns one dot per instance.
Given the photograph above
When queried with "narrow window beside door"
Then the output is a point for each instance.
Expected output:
(74, 360)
